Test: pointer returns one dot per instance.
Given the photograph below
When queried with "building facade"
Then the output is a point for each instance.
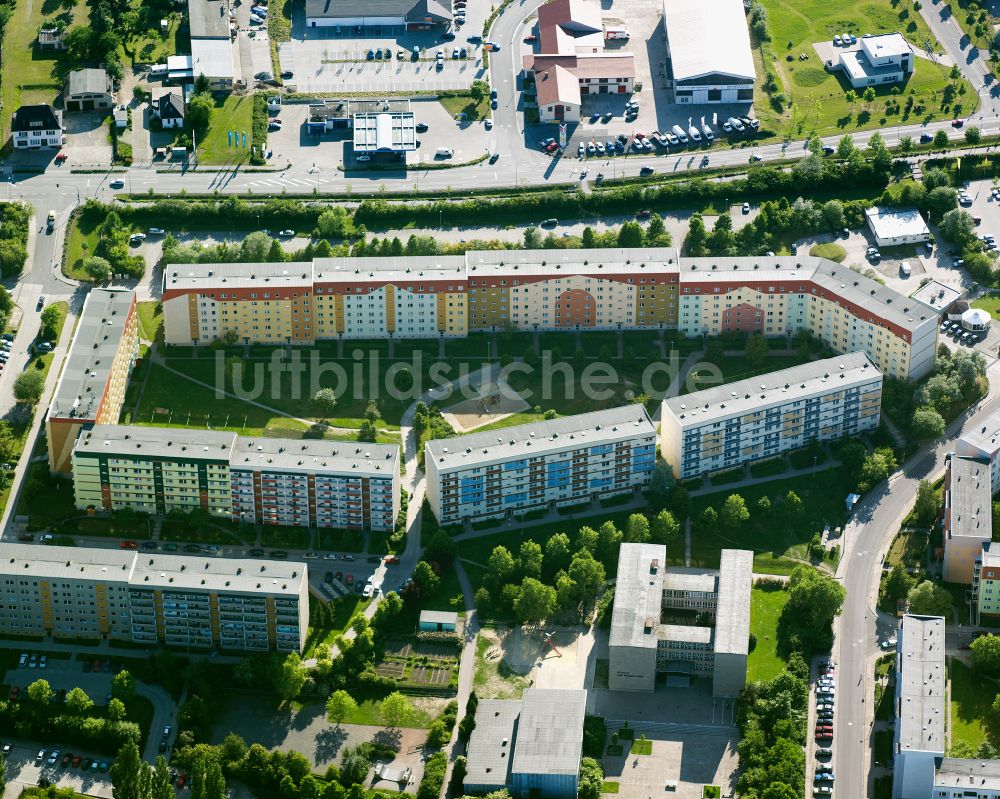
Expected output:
(91, 388)
(88, 89)
(615, 289)
(273, 481)
(545, 464)
(36, 126)
(893, 227)
(968, 516)
(882, 59)
(983, 443)
(148, 598)
(986, 581)
(765, 416)
(643, 649)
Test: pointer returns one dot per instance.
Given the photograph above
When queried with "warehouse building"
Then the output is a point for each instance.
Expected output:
(553, 463)
(643, 649)
(893, 227)
(408, 14)
(387, 133)
(595, 289)
(983, 443)
(530, 746)
(274, 481)
(968, 516)
(765, 416)
(708, 52)
(185, 601)
(91, 388)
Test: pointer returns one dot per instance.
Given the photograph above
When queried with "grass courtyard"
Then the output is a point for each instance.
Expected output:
(765, 608)
(988, 302)
(815, 98)
(233, 113)
(971, 703)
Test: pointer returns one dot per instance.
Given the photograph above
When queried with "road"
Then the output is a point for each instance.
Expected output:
(867, 536)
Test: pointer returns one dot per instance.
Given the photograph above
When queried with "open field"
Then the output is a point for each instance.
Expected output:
(230, 114)
(765, 608)
(971, 704)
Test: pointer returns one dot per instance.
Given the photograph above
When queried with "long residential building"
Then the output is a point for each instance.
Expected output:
(298, 482)
(642, 646)
(983, 443)
(986, 582)
(613, 289)
(149, 598)
(762, 417)
(968, 516)
(564, 461)
(91, 388)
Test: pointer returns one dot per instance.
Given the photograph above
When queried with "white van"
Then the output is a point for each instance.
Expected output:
(904, 269)
(444, 152)
(158, 70)
(678, 131)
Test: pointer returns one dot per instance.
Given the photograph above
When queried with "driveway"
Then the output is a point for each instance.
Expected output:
(86, 136)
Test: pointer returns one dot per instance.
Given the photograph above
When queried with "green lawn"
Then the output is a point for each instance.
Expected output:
(642, 746)
(150, 319)
(346, 610)
(736, 368)
(830, 249)
(765, 608)
(232, 113)
(466, 105)
(990, 303)
(367, 713)
(971, 703)
(817, 97)
(149, 45)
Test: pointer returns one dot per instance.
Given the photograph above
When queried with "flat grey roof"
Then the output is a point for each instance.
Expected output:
(438, 617)
(891, 222)
(132, 441)
(678, 578)
(920, 654)
(213, 58)
(87, 368)
(984, 437)
(971, 499)
(209, 19)
(708, 39)
(550, 731)
(972, 774)
(87, 81)
(684, 632)
(385, 132)
(732, 614)
(625, 422)
(488, 758)
(638, 595)
(772, 389)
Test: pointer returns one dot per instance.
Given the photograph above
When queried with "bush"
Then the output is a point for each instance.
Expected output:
(433, 780)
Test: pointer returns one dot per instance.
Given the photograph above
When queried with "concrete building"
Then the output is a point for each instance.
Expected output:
(36, 126)
(986, 582)
(957, 778)
(765, 416)
(968, 516)
(708, 52)
(233, 604)
(95, 374)
(614, 289)
(386, 133)
(88, 90)
(939, 297)
(919, 733)
(892, 227)
(213, 58)
(180, 69)
(545, 464)
(170, 110)
(211, 19)
(983, 443)
(408, 14)
(528, 746)
(882, 59)
(438, 621)
(291, 482)
(642, 648)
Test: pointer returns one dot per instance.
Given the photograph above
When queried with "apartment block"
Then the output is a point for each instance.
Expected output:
(95, 374)
(983, 443)
(613, 289)
(545, 464)
(643, 647)
(986, 581)
(764, 416)
(149, 598)
(297, 482)
(968, 516)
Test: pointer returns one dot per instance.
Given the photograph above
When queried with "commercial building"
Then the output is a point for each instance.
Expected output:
(408, 14)
(708, 52)
(149, 598)
(895, 226)
(958, 778)
(983, 443)
(88, 90)
(295, 482)
(615, 289)
(571, 60)
(211, 19)
(968, 516)
(36, 126)
(765, 416)
(391, 133)
(546, 464)
(528, 746)
(95, 374)
(180, 69)
(882, 59)
(642, 648)
(213, 58)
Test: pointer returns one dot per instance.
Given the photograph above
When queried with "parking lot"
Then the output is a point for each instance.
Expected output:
(63, 674)
(23, 769)
(86, 135)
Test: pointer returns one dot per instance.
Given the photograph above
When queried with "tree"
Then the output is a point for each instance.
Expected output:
(40, 692)
(973, 135)
(930, 599)
(851, 96)
(756, 350)
(986, 654)
(696, 238)
(587, 574)
(941, 138)
(339, 706)
(806, 621)
(479, 90)
(530, 558)
(664, 528)
(50, 319)
(425, 578)
(609, 539)
(637, 529)
(354, 767)
(125, 772)
(394, 708)
(734, 511)
(926, 505)
(557, 553)
(291, 678)
(325, 401)
(501, 563)
(199, 110)
(116, 710)
(707, 519)
(535, 601)
(215, 783)
(897, 583)
(123, 686)
(78, 702)
(845, 147)
(957, 226)
(28, 387)
(927, 422)
(631, 234)
(98, 269)
(591, 779)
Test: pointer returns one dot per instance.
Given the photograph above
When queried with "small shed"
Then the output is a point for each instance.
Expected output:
(438, 621)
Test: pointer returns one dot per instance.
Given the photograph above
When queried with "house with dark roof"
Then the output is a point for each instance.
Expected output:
(411, 14)
(170, 110)
(36, 126)
(88, 90)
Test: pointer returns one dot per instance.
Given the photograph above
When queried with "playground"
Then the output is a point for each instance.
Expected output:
(549, 657)
(494, 401)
